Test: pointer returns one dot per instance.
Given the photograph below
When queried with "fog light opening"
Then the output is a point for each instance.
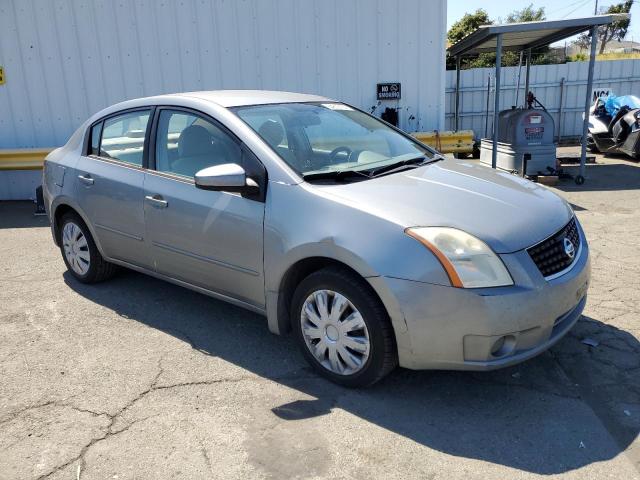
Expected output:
(503, 346)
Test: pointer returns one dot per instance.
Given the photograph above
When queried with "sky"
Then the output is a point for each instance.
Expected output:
(555, 10)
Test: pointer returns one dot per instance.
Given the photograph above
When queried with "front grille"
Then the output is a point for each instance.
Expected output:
(550, 255)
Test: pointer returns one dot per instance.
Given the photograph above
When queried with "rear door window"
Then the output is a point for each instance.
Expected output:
(123, 137)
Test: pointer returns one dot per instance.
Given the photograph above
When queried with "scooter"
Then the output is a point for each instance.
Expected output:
(614, 126)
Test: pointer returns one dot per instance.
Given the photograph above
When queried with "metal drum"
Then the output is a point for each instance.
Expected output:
(525, 136)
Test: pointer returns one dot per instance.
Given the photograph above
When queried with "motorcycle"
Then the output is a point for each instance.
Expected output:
(614, 126)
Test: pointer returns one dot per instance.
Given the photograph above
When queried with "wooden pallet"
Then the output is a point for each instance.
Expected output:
(574, 158)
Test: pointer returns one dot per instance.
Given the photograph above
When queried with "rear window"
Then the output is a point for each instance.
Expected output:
(121, 137)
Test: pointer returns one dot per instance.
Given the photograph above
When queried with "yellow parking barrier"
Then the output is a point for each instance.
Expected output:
(445, 142)
(448, 142)
(23, 159)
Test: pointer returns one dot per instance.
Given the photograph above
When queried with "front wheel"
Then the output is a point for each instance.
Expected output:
(342, 328)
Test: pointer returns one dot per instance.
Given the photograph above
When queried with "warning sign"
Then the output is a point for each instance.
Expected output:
(388, 91)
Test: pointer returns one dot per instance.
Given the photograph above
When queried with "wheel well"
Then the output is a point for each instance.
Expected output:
(57, 216)
(292, 278)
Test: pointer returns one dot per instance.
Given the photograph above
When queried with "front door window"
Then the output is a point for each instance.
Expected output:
(187, 143)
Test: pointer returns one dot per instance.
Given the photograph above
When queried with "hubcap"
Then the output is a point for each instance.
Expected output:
(76, 249)
(334, 332)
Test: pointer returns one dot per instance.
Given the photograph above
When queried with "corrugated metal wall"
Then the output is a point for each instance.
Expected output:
(622, 76)
(66, 59)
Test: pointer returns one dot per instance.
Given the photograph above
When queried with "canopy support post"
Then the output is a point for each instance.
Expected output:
(457, 111)
(515, 104)
(587, 101)
(528, 71)
(496, 104)
(486, 114)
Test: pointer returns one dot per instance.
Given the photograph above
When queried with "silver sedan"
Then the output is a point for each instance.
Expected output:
(370, 246)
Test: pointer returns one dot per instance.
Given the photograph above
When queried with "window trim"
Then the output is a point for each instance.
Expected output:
(149, 145)
(145, 144)
(89, 150)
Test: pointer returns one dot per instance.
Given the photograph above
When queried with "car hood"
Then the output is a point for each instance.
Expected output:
(509, 213)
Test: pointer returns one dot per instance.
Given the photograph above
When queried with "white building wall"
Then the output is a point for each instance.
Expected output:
(66, 59)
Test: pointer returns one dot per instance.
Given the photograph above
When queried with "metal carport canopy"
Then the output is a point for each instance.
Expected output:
(523, 36)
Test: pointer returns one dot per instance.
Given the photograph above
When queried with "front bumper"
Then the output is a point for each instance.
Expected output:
(461, 329)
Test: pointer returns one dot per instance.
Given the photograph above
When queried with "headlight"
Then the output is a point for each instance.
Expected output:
(468, 261)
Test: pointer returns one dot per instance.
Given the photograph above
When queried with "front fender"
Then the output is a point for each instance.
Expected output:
(278, 321)
(304, 222)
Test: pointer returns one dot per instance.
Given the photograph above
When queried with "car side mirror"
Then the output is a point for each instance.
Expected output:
(229, 177)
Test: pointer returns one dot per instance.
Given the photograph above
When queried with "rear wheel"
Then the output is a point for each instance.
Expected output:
(79, 251)
(342, 328)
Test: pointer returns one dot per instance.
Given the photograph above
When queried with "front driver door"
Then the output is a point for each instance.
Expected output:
(206, 238)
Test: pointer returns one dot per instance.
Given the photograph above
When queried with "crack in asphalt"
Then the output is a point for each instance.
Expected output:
(55, 403)
(108, 431)
(113, 418)
(17, 413)
(203, 449)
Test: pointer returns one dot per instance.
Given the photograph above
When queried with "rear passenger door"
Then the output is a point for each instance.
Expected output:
(110, 184)
(206, 238)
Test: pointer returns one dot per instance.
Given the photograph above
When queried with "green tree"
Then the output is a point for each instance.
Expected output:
(613, 31)
(470, 22)
(467, 24)
(616, 30)
(527, 14)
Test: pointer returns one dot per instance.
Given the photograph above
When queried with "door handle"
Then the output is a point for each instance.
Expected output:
(86, 179)
(157, 201)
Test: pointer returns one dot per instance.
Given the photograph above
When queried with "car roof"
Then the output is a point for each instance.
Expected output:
(237, 98)
(220, 98)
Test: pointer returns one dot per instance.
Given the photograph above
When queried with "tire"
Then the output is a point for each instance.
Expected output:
(96, 269)
(377, 360)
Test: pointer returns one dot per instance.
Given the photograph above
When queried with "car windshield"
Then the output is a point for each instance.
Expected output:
(325, 139)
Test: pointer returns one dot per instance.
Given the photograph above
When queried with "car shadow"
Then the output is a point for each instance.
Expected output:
(537, 417)
(20, 214)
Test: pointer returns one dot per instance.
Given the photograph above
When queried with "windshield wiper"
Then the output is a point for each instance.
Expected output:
(343, 175)
(403, 164)
(335, 175)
